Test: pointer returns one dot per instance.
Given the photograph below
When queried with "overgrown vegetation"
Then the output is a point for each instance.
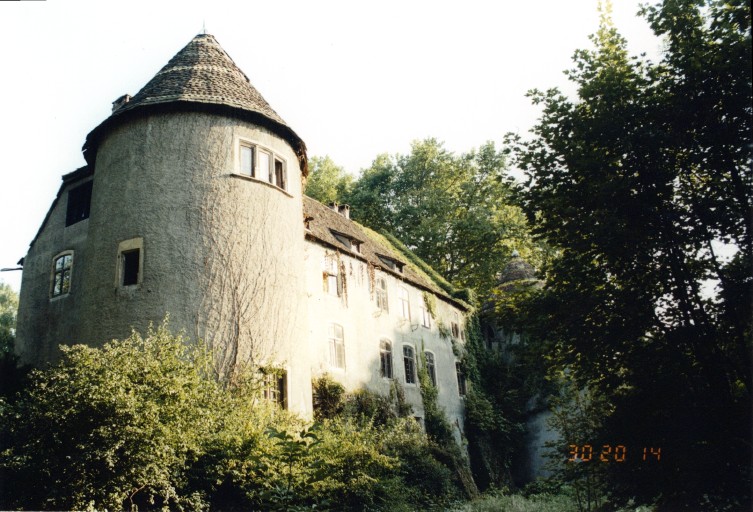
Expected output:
(143, 424)
(643, 184)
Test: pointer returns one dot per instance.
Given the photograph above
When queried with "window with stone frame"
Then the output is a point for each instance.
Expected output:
(274, 386)
(336, 342)
(403, 298)
(381, 294)
(62, 268)
(462, 387)
(331, 279)
(130, 262)
(385, 359)
(423, 311)
(262, 164)
(431, 367)
(409, 362)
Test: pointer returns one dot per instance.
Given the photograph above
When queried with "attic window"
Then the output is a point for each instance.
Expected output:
(392, 263)
(79, 203)
(350, 243)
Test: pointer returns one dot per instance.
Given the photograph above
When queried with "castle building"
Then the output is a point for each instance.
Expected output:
(191, 205)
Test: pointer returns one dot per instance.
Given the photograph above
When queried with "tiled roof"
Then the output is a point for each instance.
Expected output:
(201, 76)
(202, 72)
(323, 221)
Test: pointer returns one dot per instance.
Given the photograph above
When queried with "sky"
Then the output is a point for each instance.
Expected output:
(353, 79)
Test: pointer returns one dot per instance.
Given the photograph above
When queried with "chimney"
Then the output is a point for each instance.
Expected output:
(120, 102)
(344, 210)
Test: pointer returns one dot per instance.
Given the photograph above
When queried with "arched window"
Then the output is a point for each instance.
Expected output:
(385, 359)
(409, 360)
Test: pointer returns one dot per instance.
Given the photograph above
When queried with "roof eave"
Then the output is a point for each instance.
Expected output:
(178, 104)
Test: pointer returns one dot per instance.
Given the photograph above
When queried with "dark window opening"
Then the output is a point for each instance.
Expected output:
(79, 203)
(279, 174)
(431, 368)
(131, 267)
(409, 361)
(462, 388)
(385, 359)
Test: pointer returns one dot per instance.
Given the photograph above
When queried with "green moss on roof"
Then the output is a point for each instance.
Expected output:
(419, 266)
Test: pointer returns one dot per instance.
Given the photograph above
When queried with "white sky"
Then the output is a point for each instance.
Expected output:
(353, 79)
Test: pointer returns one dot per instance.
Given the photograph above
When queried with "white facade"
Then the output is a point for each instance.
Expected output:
(359, 312)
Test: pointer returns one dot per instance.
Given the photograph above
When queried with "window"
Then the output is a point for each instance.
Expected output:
(391, 263)
(280, 173)
(336, 346)
(402, 295)
(262, 164)
(130, 262)
(331, 281)
(461, 379)
(409, 360)
(381, 294)
(425, 316)
(431, 368)
(131, 267)
(385, 359)
(247, 160)
(350, 243)
(79, 203)
(273, 387)
(61, 274)
(456, 332)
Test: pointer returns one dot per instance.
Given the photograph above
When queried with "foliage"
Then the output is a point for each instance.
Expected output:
(12, 378)
(143, 423)
(506, 386)
(578, 416)
(111, 428)
(638, 182)
(440, 432)
(327, 182)
(8, 309)
(456, 212)
(494, 502)
(328, 398)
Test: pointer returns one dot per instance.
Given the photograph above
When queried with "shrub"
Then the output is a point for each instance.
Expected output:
(111, 428)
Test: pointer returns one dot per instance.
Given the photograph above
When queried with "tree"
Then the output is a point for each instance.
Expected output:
(637, 182)
(112, 428)
(8, 310)
(11, 376)
(327, 182)
(456, 212)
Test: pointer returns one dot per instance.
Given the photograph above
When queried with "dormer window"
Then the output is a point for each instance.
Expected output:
(349, 242)
(391, 263)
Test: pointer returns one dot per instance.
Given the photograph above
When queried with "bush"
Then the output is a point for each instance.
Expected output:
(143, 424)
(111, 428)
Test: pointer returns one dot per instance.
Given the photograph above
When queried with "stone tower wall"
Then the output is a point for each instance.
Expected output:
(220, 252)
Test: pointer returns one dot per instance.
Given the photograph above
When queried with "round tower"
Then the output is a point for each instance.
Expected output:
(196, 213)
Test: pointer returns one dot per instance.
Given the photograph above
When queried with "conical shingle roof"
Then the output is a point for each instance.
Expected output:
(202, 72)
(201, 76)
